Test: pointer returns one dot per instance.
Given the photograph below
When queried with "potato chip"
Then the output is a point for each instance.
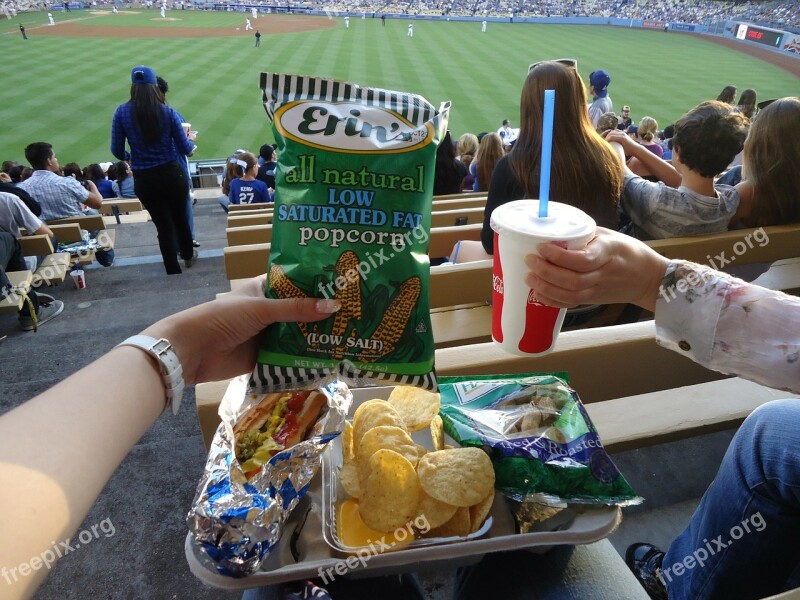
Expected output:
(437, 433)
(391, 493)
(478, 512)
(416, 406)
(390, 438)
(458, 525)
(462, 476)
(421, 450)
(434, 512)
(373, 413)
(347, 441)
(348, 475)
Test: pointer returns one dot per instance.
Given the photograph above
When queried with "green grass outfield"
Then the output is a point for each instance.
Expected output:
(64, 89)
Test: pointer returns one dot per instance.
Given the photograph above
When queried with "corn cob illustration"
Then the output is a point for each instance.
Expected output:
(285, 288)
(349, 295)
(339, 351)
(282, 285)
(396, 317)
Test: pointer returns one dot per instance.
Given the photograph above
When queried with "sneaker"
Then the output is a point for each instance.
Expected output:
(189, 262)
(645, 562)
(45, 298)
(195, 243)
(46, 312)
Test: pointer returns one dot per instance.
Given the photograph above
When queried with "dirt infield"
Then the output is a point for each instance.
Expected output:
(267, 25)
(782, 60)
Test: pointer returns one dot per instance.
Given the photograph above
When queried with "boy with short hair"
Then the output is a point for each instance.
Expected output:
(685, 200)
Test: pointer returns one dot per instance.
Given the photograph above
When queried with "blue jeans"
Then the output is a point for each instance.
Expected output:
(190, 213)
(743, 541)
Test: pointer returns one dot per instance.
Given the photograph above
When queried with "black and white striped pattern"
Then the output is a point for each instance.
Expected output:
(271, 378)
(278, 89)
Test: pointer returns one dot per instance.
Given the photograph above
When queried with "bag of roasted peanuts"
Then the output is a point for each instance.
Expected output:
(354, 184)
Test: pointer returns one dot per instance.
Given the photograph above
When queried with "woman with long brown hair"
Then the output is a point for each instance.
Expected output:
(771, 178)
(585, 172)
(158, 144)
(489, 154)
(747, 103)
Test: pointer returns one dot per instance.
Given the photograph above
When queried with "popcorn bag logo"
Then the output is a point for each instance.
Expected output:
(342, 127)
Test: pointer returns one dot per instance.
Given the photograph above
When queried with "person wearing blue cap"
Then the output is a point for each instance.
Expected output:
(601, 102)
(158, 147)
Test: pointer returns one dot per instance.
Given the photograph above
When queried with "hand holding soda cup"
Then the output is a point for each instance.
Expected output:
(521, 324)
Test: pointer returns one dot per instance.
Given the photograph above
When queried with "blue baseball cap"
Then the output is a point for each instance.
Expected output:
(600, 80)
(145, 75)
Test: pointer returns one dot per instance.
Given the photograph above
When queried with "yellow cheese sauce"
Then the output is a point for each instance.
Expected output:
(354, 532)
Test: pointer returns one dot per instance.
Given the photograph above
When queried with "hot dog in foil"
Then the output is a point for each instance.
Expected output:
(263, 457)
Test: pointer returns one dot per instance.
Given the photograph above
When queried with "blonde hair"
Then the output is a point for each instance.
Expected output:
(648, 128)
(467, 148)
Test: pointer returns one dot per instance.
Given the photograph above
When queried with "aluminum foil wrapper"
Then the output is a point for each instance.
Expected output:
(235, 523)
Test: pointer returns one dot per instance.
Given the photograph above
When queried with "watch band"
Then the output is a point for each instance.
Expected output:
(168, 364)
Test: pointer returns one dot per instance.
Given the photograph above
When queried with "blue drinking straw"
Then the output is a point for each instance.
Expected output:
(547, 151)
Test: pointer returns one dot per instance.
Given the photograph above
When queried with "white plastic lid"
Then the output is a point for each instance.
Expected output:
(564, 222)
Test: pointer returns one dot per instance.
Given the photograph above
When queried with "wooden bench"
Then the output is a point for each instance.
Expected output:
(458, 203)
(55, 265)
(461, 216)
(249, 218)
(459, 196)
(242, 208)
(21, 282)
(115, 207)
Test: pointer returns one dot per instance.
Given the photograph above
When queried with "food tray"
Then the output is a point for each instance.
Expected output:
(307, 547)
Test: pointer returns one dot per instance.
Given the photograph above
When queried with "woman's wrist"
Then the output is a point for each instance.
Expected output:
(654, 266)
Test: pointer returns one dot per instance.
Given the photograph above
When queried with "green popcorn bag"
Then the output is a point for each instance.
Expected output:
(352, 216)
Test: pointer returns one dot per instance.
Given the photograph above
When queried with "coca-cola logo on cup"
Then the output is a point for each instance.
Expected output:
(532, 299)
(497, 284)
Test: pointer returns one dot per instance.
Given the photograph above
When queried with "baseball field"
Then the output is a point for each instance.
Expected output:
(63, 83)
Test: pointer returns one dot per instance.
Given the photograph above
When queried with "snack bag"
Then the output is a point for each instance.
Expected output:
(541, 441)
(351, 222)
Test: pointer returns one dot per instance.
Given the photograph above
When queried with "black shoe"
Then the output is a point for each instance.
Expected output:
(195, 243)
(645, 562)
